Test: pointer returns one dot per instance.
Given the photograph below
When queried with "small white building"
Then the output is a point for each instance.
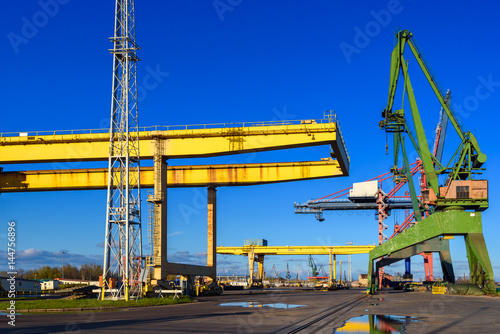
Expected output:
(363, 279)
(20, 285)
(49, 285)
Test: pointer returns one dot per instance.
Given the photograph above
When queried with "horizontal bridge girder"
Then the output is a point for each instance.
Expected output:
(313, 207)
(452, 222)
(41, 147)
(177, 176)
(432, 245)
(297, 250)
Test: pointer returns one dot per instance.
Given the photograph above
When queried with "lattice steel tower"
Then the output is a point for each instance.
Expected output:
(123, 245)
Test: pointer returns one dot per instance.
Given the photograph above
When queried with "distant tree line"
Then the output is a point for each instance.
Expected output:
(86, 271)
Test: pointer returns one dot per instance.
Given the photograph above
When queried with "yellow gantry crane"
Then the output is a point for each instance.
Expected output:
(170, 142)
(257, 253)
(193, 141)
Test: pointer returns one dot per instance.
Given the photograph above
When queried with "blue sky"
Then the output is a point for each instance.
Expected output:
(235, 61)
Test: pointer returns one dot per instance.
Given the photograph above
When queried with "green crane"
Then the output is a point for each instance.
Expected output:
(314, 268)
(449, 210)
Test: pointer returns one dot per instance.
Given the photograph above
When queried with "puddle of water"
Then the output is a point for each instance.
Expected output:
(256, 304)
(281, 305)
(370, 323)
(5, 313)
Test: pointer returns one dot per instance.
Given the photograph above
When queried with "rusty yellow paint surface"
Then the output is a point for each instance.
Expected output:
(43, 147)
(177, 176)
(296, 250)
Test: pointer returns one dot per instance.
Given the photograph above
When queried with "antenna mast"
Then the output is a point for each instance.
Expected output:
(123, 245)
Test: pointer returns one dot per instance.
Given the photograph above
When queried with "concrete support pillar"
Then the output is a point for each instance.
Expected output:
(212, 231)
(159, 201)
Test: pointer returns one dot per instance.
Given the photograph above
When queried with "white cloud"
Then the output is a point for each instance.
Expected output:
(33, 258)
(176, 233)
(185, 257)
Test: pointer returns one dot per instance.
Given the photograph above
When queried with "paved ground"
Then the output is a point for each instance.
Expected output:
(322, 313)
(440, 313)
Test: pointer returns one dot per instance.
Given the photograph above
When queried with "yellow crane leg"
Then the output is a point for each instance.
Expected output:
(334, 268)
(251, 262)
(260, 261)
(177, 176)
(340, 270)
(330, 273)
(41, 147)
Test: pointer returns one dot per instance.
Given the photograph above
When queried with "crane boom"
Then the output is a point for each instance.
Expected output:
(441, 130)
(468, 158)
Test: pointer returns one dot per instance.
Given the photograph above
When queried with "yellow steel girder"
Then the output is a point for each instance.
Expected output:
(177, 176)
(187, 142)
(296, 250)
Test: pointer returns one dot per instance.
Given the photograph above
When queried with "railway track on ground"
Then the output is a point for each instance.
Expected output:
(324, 318)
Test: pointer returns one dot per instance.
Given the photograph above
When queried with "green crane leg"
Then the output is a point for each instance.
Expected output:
(370, 287)
(446, 223)
(481, 271)
(428, 246)
(447, 266)
(440, 245)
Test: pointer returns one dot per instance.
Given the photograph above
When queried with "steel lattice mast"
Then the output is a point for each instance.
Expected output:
(123, 245)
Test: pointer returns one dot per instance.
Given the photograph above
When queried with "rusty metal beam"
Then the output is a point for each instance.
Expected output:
(177, 176)
(295, 250)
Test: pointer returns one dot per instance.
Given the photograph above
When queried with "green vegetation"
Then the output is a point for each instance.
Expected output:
(17, 298)
(66, 286)
(85, 272)
(93, 303)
